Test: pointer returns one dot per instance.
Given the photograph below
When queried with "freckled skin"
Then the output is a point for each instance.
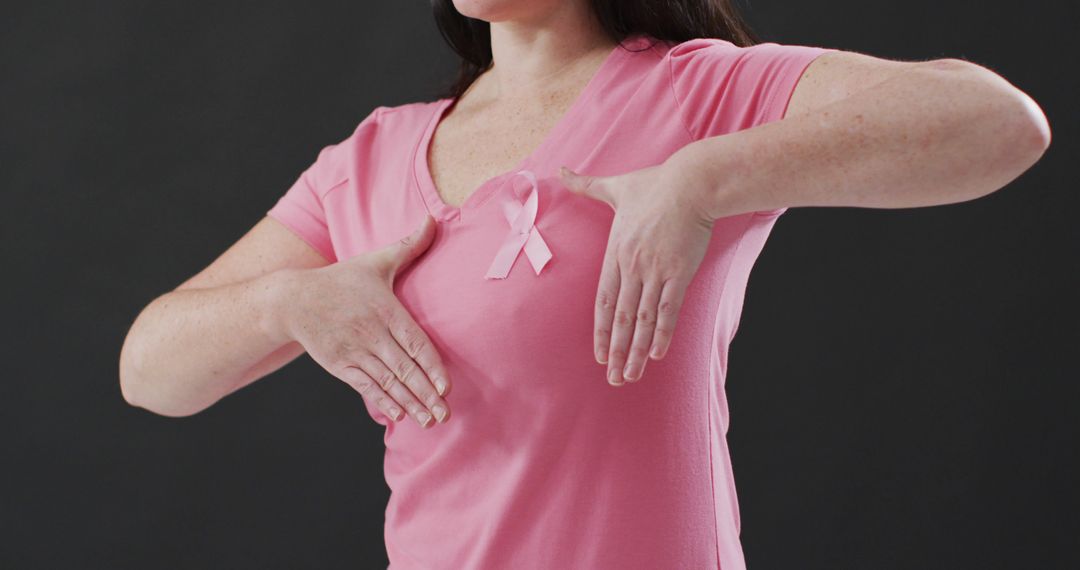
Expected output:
(482, 136)
(868, 132)
(858, 131)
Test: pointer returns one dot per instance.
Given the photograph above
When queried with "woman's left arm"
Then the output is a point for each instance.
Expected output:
(859, 131)
(868, 132)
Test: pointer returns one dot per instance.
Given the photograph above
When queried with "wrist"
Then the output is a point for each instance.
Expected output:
(715, 172)
(277, 292)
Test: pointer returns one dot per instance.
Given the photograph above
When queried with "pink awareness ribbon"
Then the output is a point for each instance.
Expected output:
(523, 233)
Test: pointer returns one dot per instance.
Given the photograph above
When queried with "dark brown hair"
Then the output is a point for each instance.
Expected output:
(672, 20)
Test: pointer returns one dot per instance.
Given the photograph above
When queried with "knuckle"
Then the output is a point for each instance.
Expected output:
(605, 300)
(342, 363)
(365, 387)
(347, 373)
(386, 380)
(668, 307)
(618, 354)
(622, 318)
(645, 317)
(414, 344)
(405, 368)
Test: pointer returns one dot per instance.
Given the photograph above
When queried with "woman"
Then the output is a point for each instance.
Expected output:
(440, 254)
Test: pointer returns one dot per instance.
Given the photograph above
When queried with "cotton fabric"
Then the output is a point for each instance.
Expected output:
(543, 464)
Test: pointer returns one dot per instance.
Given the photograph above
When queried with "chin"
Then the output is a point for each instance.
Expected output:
(500, 10)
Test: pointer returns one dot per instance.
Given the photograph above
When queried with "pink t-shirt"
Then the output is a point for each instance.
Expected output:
(543, 464)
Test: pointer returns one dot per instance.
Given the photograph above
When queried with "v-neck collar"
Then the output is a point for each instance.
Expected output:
(424, 182)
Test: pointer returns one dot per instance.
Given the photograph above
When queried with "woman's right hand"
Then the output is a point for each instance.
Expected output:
(348, 319)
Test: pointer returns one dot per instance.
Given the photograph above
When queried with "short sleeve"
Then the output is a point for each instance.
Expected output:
(722, 88)
(301, 209)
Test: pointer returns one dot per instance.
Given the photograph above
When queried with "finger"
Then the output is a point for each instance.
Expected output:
(606, 294)
(370, 390)
(419, 347)
(644, 325)
(623, 325)
(423, 382)
(413, 377)
(394, 256)
(385, 377)
(667, 313)
(585, 185)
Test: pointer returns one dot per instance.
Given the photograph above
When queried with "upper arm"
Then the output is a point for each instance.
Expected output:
(839, 74)
(722, 88)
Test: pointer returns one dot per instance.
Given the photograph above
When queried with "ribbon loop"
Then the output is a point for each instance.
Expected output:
(521, 214)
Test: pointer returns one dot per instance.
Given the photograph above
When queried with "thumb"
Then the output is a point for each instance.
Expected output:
(585, 185)
(405, 250)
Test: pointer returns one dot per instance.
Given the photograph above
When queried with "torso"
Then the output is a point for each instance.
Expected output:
(480, 137)
(543, 464)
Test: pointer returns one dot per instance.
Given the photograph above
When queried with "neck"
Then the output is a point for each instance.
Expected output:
(532, 57)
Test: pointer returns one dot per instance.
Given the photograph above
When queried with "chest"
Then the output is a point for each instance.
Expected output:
(469, 147)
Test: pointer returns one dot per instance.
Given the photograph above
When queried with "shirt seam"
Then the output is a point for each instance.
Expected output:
(777, 97)
(713, 386)
(322, 194)
(675, 97)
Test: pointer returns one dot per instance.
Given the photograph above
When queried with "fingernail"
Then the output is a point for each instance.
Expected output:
(613, 377)
(423, 418)
(440, 412)
(601, 356)
(440, 386)
(655, 352)
(395, 414)
(629, 373)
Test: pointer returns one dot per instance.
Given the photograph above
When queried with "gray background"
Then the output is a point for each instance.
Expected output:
(901, 386)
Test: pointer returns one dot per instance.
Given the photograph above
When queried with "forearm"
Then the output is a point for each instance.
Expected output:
(191, 347)
(938, 132)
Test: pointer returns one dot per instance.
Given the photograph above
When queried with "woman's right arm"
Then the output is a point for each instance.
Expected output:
(267, 299)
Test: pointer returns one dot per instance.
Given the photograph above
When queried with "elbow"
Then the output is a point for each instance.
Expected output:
(1025, 134)
(145, 384)
(1035, 128)
(127, 374)
(1023, 130)
(161, 406)
(138, 392)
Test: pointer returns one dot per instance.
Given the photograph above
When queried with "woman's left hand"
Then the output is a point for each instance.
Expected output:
(658, 239)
